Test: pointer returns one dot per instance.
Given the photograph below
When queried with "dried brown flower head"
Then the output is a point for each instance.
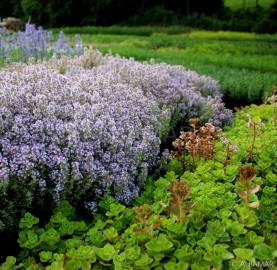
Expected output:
(247, 172)
(179, 190)
(193, 122)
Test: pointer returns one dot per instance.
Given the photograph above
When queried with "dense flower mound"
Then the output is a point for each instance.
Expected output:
(90, 126)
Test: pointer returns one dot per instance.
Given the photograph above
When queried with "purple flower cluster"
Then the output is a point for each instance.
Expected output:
(95, 129)
(35, 44)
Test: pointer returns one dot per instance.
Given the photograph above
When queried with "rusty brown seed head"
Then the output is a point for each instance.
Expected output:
(247, 173)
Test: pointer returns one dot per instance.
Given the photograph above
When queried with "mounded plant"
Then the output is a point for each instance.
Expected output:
(86, 127)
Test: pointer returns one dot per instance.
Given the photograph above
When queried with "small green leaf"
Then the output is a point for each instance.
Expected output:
(254, 239)
(161, 244)
(216, 229)
(72, 264)
(232, 170)
(9, 263)
(247, 216)
(118, 261)
(197, 266)
(66, 228)
(95, 237)
(73, 243)
(45, 256)
(110, 233)
(106, 202)
(235, 227)
(57, 265)
(132, 253)
(217, 254)
(51, 237)
(144, 261)
(256, 119)
(106, 253)
(58, 218)
(207, 241)
(80, 226)
(185, 253)
(115, 210)
(176, 266)
(264, 252)
(66, 209)
(244, 253)
(83, 253)
(28, 221)
(28, 239)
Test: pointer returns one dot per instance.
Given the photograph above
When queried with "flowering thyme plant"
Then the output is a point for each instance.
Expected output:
(95, 128)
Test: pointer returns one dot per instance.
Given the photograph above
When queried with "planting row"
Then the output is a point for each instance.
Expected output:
(215, 208)
(245, 66)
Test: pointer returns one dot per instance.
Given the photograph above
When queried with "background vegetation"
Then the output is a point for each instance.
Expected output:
(238, 4)
(244, 63)
(236, 15)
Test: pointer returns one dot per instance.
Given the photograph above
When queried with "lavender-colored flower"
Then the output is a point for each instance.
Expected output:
(79, 48)
(35, 44)
(62, 46)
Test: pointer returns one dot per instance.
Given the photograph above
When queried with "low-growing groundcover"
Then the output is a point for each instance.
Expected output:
(219, 213)
(86, 127)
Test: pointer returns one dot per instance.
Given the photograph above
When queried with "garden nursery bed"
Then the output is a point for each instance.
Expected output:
(85, 183)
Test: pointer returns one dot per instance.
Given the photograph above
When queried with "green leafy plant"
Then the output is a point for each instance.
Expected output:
(207, 221)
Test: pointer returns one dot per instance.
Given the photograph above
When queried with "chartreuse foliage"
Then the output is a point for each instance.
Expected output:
(218, 228)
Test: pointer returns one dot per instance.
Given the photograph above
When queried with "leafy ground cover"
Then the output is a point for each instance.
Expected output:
(244, 63)
(214, 208)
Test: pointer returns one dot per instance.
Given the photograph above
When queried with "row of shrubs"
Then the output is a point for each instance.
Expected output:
(197, 13)
(215, 208)
(250, 20)
(242, 82)
(99, 12)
